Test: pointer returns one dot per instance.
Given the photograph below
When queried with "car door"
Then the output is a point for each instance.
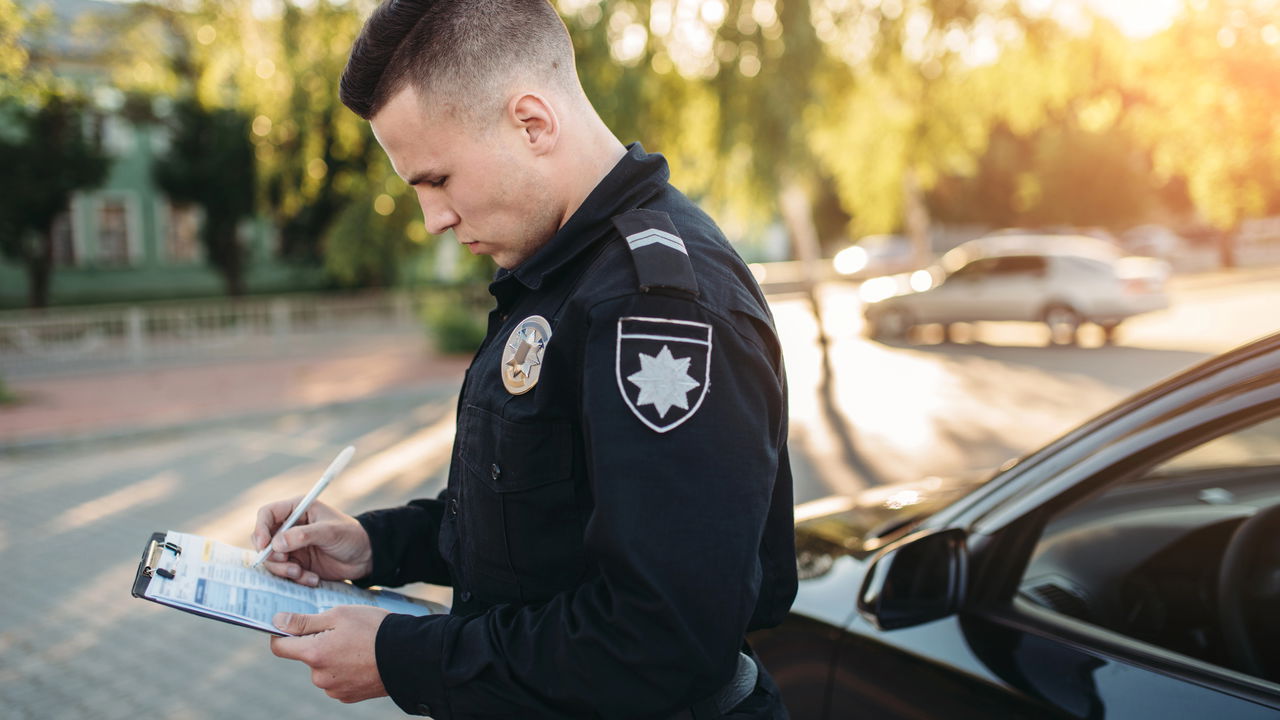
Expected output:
(1015, 289)
(1130, 627)
(1007, 648)
(959, 298)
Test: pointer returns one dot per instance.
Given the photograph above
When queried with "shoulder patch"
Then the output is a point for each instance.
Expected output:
(660, 257)
(659, 363)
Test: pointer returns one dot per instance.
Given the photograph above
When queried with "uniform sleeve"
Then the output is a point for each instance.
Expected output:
(404, 541)
(674, 536)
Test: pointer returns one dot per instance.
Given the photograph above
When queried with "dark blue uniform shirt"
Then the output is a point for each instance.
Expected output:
(612, 533)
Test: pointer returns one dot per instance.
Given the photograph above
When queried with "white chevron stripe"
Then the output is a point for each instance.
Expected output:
(654, 235)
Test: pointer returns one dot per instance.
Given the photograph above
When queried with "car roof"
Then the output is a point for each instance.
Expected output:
(1030, 244)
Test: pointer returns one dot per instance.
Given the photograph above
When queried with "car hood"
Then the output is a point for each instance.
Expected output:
(858, 525)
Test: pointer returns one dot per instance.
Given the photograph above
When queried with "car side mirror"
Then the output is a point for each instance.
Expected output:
(916, 580)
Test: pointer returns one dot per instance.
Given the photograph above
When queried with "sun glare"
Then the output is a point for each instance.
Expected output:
(1138, 18)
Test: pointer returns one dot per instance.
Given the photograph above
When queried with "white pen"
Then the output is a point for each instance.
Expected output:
(335, 467)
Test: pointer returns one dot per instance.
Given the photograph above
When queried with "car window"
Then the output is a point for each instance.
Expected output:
(1255, 446)
(975, 270)
(1073, 265)
(1020, 265)
(1144, 556)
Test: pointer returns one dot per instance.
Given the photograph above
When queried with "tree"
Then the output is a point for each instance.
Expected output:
(210, 163)
(46, 157)
(44, 150)
(278, 65)
(13, 56)
(1207, 99)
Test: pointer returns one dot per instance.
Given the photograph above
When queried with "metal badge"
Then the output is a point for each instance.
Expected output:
(522, 357)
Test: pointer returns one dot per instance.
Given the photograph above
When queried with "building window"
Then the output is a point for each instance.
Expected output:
(64, 245)
(113, 232)
(182, 241)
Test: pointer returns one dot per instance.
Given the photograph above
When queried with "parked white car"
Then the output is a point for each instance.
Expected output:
(1062, 281)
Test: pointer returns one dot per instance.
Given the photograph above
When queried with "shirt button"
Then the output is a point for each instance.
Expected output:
(495, 472)
(466, 596)
(453, 506)
(424, 708)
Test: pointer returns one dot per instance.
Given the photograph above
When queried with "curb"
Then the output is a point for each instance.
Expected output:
(401, 398)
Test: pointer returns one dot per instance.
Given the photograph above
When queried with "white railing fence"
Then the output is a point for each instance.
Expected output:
(105, 336)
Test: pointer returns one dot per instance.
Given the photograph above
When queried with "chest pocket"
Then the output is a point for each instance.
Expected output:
(521, 528)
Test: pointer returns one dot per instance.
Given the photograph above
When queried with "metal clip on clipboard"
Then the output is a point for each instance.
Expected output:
(154, 554)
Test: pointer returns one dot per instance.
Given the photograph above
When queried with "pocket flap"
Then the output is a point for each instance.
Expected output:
(509, 456)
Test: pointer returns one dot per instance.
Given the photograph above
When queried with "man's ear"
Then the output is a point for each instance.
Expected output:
(537, 121)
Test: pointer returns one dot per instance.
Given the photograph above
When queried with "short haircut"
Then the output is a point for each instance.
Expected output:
(459, 54)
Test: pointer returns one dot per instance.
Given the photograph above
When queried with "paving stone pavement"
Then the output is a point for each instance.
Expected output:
(75, 644)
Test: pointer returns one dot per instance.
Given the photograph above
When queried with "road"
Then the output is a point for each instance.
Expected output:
(72, 521)
(901, 412)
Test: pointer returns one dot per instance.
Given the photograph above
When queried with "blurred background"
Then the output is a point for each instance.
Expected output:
(978, 223)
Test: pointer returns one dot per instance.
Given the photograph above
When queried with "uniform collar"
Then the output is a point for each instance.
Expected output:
(637, 177)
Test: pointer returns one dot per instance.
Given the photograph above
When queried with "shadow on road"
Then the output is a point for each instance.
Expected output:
(838, 421)
(1126, 367)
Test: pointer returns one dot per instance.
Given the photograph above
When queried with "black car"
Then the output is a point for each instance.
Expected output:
(1130, 569)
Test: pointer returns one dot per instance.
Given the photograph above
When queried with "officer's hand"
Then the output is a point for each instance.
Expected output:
(338, 646)
(324, 544)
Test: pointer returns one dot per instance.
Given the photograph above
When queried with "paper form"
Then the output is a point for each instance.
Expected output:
(217, 579)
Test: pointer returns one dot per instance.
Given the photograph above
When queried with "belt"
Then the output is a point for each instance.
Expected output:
(729, 696)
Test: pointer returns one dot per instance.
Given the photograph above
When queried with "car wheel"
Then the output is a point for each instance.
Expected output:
(892, 324)
(1063, 323)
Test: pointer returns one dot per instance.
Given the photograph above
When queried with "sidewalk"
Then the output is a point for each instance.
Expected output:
(106, 405)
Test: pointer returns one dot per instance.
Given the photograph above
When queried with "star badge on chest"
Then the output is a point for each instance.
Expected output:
(663, 369)
(522, 356)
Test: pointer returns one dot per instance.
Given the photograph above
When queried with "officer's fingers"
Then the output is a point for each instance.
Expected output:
(304, 649)
(302, 624)
(318, 512)
(291, 570)
(319, 534)
(324, 680)
(270, 517)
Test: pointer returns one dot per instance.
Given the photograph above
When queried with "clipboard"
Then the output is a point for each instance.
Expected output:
(209, 579)
(153, 564)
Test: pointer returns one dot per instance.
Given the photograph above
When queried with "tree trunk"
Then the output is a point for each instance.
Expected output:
(916, 219)
(1227, 246)
(797, 215)
(40, 271)
(231, 264)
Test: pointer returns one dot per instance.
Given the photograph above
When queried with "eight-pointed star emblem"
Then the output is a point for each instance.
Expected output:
(663, 388)
(664, 381)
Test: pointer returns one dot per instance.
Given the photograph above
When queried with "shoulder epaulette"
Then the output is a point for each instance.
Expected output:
(661, 259)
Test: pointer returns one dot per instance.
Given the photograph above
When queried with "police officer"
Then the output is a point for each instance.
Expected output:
(618, 509)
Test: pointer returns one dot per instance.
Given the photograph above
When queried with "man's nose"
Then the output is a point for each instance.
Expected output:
(437, 216)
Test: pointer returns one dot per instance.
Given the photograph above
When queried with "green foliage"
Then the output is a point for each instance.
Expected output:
(46, 156)
(371, 239)
(455, 320)
(13, 56)
(866, 106)
(317, 166)
(1204, 99)
(6, 396)
(210, 163)
(1060, 175)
